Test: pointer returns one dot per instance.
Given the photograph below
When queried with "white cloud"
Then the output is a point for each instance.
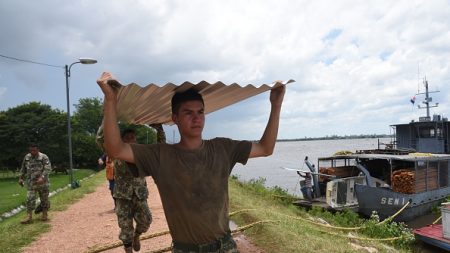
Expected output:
(355, 62)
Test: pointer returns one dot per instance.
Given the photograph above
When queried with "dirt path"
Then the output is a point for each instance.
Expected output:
(92, 222)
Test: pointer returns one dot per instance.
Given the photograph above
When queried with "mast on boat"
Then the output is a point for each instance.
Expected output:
(427, 101)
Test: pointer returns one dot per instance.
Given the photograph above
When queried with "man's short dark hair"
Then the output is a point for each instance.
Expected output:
(33, 145)
(127, 131)
(185, 96)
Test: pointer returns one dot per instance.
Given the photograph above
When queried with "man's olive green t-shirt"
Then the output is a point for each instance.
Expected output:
(193, 185)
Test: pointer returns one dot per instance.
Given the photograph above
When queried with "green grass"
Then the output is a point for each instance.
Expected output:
(13, 195)
(14, 235)
(288, 233)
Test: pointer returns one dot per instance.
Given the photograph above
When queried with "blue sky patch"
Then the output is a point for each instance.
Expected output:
(332, 35)
(384, 55)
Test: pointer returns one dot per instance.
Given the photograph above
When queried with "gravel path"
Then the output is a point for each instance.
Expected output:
(92, 222)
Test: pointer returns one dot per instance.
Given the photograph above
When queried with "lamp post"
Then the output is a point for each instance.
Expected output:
(69, 127)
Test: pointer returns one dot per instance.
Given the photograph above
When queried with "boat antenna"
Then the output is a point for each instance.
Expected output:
(418, 77)
(428, 99)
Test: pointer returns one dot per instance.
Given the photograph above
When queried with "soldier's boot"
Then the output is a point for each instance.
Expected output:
(44, 215)
(28, 219)
(136, 242)
(128, 249)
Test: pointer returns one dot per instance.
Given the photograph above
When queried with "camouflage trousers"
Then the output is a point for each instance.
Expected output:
(42, 191)
(227, 245)
(129, 210)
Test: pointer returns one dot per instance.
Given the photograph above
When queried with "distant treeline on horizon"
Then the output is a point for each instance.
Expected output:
(339, 137)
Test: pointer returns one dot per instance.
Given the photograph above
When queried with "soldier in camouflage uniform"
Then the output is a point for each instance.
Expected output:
(35, 171)
(131, 195)
(131, 199)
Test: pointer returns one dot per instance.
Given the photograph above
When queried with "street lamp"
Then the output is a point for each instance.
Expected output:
(69, 128)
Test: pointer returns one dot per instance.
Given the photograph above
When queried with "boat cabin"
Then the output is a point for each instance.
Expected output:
(426, 135)
(429, 134)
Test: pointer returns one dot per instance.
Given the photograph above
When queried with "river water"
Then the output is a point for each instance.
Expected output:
(291, 154)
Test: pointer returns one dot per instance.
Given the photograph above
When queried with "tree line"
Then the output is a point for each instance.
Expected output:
(341, 137)
(40, 123)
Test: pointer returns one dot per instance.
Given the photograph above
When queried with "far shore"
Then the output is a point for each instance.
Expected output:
(340, 137)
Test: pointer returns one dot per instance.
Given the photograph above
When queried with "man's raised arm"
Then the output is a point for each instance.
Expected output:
(266, 144)
(113, 145)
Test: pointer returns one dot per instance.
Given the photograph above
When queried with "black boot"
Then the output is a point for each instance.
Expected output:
(136, 242)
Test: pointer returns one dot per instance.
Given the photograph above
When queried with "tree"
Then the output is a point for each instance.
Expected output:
(85, 151)
(86, 120)
(32, 123)
(88, 115)
(38, 123)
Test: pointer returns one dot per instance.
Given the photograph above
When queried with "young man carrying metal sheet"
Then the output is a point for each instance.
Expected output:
(192, 175)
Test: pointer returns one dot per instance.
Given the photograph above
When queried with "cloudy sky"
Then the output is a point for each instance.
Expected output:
(356, 63)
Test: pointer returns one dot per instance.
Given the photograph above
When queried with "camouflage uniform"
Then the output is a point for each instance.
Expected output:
(131, 202)
(130, 194)
(32, 169)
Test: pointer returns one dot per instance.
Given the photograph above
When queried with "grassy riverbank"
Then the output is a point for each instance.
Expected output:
(292, 229)
(285, 228)
(15, 235)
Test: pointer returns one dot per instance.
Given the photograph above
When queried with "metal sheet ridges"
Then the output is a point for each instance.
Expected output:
(151, 104)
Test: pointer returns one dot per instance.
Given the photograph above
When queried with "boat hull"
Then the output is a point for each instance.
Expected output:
(387, 202)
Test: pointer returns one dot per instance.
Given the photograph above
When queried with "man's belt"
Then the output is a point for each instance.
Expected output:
(213, 246)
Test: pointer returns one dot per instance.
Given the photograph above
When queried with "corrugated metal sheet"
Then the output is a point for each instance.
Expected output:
(151, 104)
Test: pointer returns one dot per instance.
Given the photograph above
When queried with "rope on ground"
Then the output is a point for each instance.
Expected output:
(119, 243)
(240, 211)
(363, 238)
(240, 229)
(346, 228)
(145, 237)
(335, 227)
(326, 226)
(349, 228)
(437, 220)
(321, 224)
(396, 214)
(299, 218)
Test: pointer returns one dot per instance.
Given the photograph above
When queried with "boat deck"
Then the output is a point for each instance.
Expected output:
(321, 203)
(433, 234)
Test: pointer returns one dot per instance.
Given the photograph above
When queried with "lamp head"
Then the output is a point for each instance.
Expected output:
(87, 61)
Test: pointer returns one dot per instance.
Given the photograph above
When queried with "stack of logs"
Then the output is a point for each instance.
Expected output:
(408, 181)
(341, 171)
